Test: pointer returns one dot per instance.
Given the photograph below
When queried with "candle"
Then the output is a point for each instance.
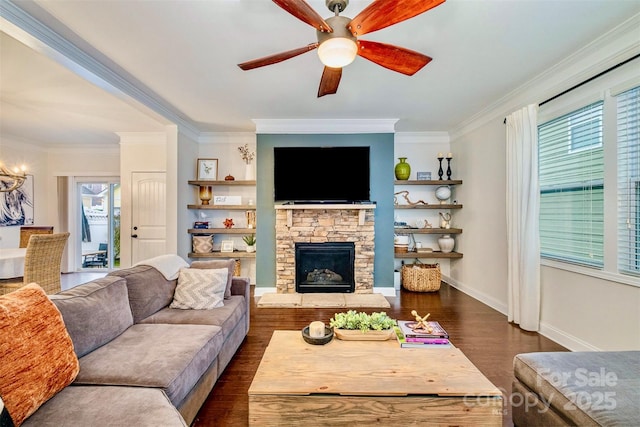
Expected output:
(450, 156)
(440, 155)
(316, 329)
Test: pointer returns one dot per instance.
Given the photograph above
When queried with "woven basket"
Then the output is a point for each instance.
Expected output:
(421, 277)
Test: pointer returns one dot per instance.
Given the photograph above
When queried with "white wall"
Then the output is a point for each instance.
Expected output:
(16, 152)
(581, 312)
(480, 159)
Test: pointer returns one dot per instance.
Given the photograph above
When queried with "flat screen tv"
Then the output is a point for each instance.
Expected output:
(321, 174)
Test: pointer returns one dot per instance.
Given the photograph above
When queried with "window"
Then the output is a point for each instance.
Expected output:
(585, 130)
(628, 123)
(571, 174)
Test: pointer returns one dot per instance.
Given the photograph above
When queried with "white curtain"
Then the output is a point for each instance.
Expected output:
(523, 202)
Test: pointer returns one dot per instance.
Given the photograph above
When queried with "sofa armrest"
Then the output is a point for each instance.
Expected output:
(242, 286)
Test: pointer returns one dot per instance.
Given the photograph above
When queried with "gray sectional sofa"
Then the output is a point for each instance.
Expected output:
(595, 388)
(142, 363)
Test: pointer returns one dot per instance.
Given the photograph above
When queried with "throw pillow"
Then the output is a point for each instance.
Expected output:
(229, 264)
(200, 289)
(36, 351)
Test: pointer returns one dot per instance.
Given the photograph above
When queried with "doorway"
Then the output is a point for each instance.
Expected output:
(99, 224)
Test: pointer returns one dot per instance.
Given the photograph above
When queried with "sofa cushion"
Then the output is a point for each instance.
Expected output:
(200, 289)
(149, 291)
(170, 357)
(107, 406)
(95, 312)
(600, 386)
(227, 316)
(229, 264)
(36, 351)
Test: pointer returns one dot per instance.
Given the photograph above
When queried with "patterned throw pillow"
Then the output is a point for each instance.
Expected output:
(35, 349)
(200, 289)
(229, 264)
(202, 244)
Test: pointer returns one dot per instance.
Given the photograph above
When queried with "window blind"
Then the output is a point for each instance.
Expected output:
(628, 123)
(571, 174)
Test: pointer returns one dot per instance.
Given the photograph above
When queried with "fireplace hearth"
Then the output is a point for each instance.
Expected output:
(325, 267)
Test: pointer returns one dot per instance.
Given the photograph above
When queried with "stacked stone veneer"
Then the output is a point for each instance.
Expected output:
(319, 226)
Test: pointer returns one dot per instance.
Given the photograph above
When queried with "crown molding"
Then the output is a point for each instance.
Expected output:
(324, 126)
(25, 28)
(613, 47)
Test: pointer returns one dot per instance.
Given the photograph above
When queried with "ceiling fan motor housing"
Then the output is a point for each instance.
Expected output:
(339, 25)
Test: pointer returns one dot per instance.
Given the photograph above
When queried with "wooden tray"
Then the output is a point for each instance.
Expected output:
(358, 335)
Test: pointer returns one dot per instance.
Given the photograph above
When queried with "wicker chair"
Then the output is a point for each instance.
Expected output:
(27, 231)
(42, 261)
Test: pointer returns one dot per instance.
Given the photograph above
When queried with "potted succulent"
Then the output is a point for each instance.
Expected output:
(250, 240)
(362, 326)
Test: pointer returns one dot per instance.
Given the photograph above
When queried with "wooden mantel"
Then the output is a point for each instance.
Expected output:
(328, 206)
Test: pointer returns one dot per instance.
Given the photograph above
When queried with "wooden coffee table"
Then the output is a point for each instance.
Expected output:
(368, 382)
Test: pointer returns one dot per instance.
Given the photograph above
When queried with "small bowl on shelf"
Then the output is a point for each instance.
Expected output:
(328, 336)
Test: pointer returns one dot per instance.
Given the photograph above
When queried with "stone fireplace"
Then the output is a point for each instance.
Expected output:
(320, 224)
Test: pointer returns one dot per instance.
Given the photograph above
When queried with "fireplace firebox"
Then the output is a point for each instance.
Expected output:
(325, 267)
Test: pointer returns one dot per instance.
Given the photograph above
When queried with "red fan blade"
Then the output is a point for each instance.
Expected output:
(330, 81)
(301, 10)
(278, 57)
(394, 58)
(382, 13)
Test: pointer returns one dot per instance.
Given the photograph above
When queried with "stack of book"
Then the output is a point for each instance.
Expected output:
(410, 337)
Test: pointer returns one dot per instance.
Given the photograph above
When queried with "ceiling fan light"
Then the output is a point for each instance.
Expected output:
(337, 52)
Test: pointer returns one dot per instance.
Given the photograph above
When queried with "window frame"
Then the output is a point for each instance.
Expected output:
(605, 88)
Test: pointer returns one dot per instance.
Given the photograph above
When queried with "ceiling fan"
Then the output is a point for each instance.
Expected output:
(338, 42)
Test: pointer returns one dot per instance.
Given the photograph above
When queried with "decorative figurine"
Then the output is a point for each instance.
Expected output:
(405, 194)
(421, 322)
(228, 223)
(445, 221)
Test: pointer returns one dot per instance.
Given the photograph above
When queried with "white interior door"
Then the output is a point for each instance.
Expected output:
(148, 216)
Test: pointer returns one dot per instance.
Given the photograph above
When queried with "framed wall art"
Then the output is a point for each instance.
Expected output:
(16, 207)
(207, 170)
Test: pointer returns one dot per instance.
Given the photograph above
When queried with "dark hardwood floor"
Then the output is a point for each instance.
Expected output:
(483, 334)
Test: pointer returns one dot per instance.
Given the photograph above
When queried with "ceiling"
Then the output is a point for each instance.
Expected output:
(183, 54)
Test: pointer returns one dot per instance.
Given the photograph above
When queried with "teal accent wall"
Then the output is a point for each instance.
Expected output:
(382, 164)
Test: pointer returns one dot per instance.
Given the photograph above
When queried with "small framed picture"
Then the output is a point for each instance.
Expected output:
(207, 170)
(424, 176)
(226, 246)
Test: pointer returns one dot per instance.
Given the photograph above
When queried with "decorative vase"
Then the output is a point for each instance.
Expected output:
(205, 194)
(403, 169)
(251, 248)
(249, 174)
(446, 243)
